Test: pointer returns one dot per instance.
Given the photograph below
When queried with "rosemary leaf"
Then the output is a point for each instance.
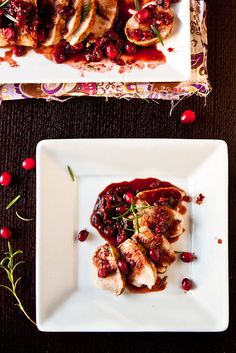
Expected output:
(71, 173)
(85, 11)
(137, 5)
(13, 202)
(157, 34)
(3, 3)
(24, 219)
(122, 215)
(10, 17)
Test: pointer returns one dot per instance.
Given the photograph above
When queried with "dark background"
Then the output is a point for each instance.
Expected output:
(24, 123)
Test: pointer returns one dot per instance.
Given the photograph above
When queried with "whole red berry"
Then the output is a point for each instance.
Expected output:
(123, 265)
(128, 196)
(18, 50)
(142, 15)
(5, 178)
(155, 254)
(83, 234)
(102, 272)
(187, 284)
(187, 257)
(188, 117)
(6, 233)
(28, 163)
(112, 51)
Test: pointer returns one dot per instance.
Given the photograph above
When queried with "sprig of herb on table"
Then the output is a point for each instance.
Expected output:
(10, 17)
(9, 266)
(137, 5)
(13, 202)
(23, 218)
(157, 34)
(71, 173)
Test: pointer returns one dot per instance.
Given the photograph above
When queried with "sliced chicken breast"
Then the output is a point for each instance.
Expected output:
(106, 14)
(87, 21)
(107, 256)
(74, 21)
(142, 271)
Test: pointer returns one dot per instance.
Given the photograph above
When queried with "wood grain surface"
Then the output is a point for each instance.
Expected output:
(24, 123)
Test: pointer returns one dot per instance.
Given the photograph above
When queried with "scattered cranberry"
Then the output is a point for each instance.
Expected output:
(187, 257)
(59, 56)
(187, 284)
(6, 233)
(112, 51)
(142, 15)
(137, 34)
(28, 163)
(130, 48)
(121, 209)
(83, 235)
(5, 179)
(188, 117)
(102, 272)
(18, 50)
(128, 197)
(155, 254)
(123, 266)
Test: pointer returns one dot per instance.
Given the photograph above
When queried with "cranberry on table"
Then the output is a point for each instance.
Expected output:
(128, 197)
(142, 15)
(155, 254)
(130, 48)
(122, 264)
(83, 235)
(18, 50)
(112, 51)
(5, 179)
(6, 233)
(187, 257)
(102, 272)
(187, 284)
(28, 163)
(188, 117)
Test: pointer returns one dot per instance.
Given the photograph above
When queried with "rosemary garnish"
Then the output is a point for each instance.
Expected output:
(10, 17)
(13, 202)
(85, 11)
(24, 219)
(157, 34)
(8, 265)
(137, 5)
(71, 173)
(4, 3)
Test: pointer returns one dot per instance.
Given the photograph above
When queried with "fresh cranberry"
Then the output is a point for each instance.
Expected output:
(137, 34)
(142, 15)
(130, 48)
(155, 254)
(121, 237)
(83, 235)
(148, 35)
(5, 178)
(59, 56)
(112, 51)
(102, 272)
(188, 117)
(78, 47)
(6, 233)
(28, 163)
(18, 50)
(10, 34)
(121, 209)
(187, 284)
(187, 257)
(123, 266)
(128, 197)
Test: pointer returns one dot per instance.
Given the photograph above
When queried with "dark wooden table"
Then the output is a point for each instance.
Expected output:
(24, 123)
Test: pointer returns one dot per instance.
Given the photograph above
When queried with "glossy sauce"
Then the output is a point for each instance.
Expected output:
(8, 58)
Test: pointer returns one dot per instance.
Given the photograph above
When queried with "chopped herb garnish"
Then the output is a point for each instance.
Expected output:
(24, 219)
(85, 11)
(13, 202)
(10, 17)
(4, 3)
(71, 173)
(137, 5)
(157, 34)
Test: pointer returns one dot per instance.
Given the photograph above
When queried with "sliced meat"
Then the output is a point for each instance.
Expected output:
(161, 220)
(88, 18)
(74, 21)
(107, 256)
(150, 241)
(58, 20)
(140, 29)
(106, 14)
(142, 271)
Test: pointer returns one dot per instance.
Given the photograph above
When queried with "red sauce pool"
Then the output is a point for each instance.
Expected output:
(8, 58)
(158, 286)
(145, 54)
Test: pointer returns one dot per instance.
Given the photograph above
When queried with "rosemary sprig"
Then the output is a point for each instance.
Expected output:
(71, 173)
(4, 3)
(24, 219)
(157, 34)
(10, 17)
(13, 202)
(8, 265)
(85, 11)
(137, 5)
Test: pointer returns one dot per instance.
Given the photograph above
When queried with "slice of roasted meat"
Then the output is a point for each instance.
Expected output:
(106, 257)
(73, 21)
(87, 21)
(18, 23)
(106, 14)
(142, 271)
(150, 25)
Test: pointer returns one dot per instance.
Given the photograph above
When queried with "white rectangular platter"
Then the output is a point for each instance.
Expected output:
(66, 296)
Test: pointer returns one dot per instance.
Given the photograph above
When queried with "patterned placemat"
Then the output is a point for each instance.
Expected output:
(199, 83)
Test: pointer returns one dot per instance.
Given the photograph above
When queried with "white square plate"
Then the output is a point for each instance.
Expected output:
(35, 68)
(66, 296)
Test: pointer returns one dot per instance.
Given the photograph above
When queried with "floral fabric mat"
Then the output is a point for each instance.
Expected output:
(198, 84)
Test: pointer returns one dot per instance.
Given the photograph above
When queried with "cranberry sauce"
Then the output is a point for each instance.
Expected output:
(111, 209)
